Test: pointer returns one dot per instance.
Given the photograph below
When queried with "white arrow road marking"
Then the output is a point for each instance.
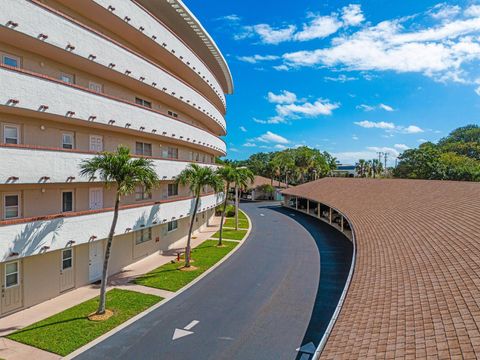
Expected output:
(179, 333)
(191, 325)
(307, 348)
(262, 214)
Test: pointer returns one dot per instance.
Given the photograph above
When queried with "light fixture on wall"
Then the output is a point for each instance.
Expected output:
(42, 127)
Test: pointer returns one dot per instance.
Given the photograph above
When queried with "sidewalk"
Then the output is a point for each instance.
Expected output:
(13, 350)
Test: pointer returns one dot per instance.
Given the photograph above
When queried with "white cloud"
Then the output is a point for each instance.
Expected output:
(319, 107)
(249, 144)
(270, 137)
(422, 140)
(401, 147)
(365, 107)
(355, 137)
(231, 17)
(282, 67)
(268, 34)
(375, 125)
(477, 91)
(412, 129)
(472, 11)
(340, 78)
(280, 146)
(319, 27)
(352, 15)
(444, 11)
(384, 149)
(257, 58)
(386, 107)
(285, 97)
(243, 129)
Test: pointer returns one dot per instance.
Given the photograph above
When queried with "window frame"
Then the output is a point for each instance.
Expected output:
(139, 235)
(174, 193)
(96, 85)
(18, 59)
(143, 102)
(143, 148)
(17, 272)
(17, 194)
(174, 228)
(142, 194)
(68, 76)
(13, 126)
(73, 201)
(68, 133)
(63, 259)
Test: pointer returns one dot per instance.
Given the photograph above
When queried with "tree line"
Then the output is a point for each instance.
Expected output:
(293, 166)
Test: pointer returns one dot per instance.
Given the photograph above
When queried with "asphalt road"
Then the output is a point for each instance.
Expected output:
(264, 302)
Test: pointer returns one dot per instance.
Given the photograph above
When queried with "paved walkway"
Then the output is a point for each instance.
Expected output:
(12, 350)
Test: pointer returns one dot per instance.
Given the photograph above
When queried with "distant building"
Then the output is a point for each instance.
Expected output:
(344, 170)
(256, 191)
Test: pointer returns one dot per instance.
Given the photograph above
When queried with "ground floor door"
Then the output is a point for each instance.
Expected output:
(12, 289)
(95, 263)
(67, 272)
(96, 198)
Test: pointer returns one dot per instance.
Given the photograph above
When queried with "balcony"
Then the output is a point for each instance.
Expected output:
(70, 38)
(40, 166)
(22, 90)
(51, 233)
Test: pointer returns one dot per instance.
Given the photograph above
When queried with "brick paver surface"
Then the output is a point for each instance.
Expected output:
(415, 292)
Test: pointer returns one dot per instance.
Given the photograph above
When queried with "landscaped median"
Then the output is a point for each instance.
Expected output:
(70, 329)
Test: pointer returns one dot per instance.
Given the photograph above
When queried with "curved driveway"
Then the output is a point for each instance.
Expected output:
(264, 302)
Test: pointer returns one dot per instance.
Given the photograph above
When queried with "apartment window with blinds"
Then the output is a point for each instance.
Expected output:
(172, 225)
(68, 140)
(67, 201)
(11, 208)
(143, 149)
(11, 134)
(143, 235)
(67, 78)
(143, 102)
(172, 189)
(11, 60)
(142, 194)
(170, 153)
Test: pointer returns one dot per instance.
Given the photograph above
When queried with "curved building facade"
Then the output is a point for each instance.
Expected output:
(79, 78)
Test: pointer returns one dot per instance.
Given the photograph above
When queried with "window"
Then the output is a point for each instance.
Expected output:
(143, 102)
(170, 153)
(11, 274)
(11, 60)
(67, 78)
(172, 225)
(67, 201)
(173, 114)
(143, 235)
(95, 87)
(143, 149)
(67, 140)
(11, 134)
(172, 189)
(67, 259)
(141, 194)
(12, 206)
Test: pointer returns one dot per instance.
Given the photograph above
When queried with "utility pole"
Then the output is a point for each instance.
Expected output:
(385, 169)
(379, 162)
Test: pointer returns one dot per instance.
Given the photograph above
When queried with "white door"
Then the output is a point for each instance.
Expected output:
(96, 143)
(67, 273)
(96, 198)
(12, 294)
(95, 264)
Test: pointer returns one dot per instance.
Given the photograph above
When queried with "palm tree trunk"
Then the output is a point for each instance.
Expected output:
(103, 288)
(223, 215)
(189, 247)
(236, 207)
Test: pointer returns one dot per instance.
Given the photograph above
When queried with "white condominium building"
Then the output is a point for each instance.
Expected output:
(81, 77)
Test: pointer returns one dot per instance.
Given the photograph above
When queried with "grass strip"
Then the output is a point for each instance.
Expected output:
(70, 329)
(168, 277)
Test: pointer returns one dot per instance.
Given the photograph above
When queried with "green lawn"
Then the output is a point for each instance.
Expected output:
(231, 234)
(168, 277)
(70, 329)
(242, 223)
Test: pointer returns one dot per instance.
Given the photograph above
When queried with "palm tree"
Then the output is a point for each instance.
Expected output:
(197, 177)
(361, 167)
(227, 174)
(124, 173)
(243, 177)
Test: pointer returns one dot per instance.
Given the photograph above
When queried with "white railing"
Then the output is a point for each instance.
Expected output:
(32, 92)
(36, 21)
(32, 238)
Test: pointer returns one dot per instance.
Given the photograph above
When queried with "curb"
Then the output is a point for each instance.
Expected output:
(156, 306)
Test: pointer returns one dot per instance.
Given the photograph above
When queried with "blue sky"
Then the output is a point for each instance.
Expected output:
(351, 78)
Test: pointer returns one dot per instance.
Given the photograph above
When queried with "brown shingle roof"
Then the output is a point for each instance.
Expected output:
(415, 291)
(260, 180)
